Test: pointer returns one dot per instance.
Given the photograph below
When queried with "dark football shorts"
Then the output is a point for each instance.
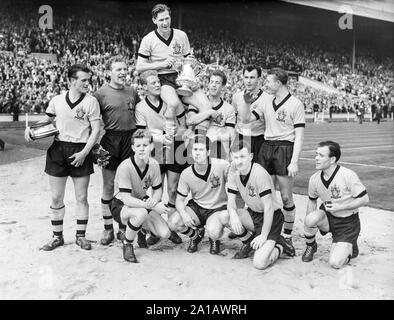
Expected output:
(116, 207)
(255, 143)
(175, 160)
(58, 163)
(201, 213)
(169, 79)
(343, 229)
(275, 156)
(118, 144)
(277, 223)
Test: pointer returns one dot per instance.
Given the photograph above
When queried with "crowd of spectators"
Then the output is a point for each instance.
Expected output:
(28, 82)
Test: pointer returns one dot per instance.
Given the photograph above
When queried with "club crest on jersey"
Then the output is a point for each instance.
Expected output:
(335, 192)
(147, 182)
(251, 191)
(218, 119)
(281, 115)
(79, 113)
(177, 48)
(214, 181)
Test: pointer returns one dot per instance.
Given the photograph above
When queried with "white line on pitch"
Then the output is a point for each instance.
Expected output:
(356, 164)
(357, 148)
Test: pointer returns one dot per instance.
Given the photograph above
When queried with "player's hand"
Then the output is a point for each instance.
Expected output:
(332, 207)
(236, 225)
(213, 113)
(79, 158)
(169, 62)
(258, 241)
(250, 97)
(292, 168)
(161, 208)
(27, 134)
(188, 220)
(150, 203)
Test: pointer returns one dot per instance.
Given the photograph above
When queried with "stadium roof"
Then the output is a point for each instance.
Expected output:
(374, 9)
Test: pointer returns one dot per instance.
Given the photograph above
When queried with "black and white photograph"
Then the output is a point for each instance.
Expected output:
(195, 152)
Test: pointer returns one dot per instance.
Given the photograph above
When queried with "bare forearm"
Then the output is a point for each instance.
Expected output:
(198, 118)
(298, 141)
(144, 66)
(132, 202)
(311, 206)
(356, 203)
(92, 138)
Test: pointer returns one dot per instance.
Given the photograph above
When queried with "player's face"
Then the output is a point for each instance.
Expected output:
(163, 21)
(251, 80)
(241, 160)
(322, 159)
(153, 86)
(142, 148)
(81, 82)
(271, 84)
(118, 73)
(199, 153)
(215, 86)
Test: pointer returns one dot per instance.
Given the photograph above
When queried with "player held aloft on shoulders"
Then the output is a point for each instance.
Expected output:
(342, 194)
(163, 50)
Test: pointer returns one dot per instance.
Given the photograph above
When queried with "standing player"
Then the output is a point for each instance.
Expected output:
(117, 104)
(244, 102)
(263, 216)
(342, 194)
(285, 124)
(205, 179)
(131, 204)
(150, 114)
(78, 121)
(161, 50)
(221, 116)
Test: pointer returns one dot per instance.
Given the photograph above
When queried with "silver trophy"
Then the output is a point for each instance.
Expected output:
(188, 76)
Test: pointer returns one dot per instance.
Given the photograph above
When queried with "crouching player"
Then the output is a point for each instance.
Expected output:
(263, 217)
(131, 204)
(205, 179)
(342, 194)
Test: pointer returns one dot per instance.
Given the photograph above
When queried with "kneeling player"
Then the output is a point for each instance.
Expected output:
(205, 179)
(342, 193)
(263, 216)
(131, 204)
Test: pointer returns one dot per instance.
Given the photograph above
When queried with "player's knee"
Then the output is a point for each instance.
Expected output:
(336, 262)
(287, 201)
(108, 188)
(261, 264)
(164, 233)
(214, 232)
(57, 201)
(140, 215)
(82, 199)
(310, 221)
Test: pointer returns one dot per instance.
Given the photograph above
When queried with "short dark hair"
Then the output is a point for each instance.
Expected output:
(73, 70)
(199, 138)
(160, 8)
(239, 144)
(114, 59)
(221, 74)
(251, 67)
(141, 133)
(333, 147)
(280, 74)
